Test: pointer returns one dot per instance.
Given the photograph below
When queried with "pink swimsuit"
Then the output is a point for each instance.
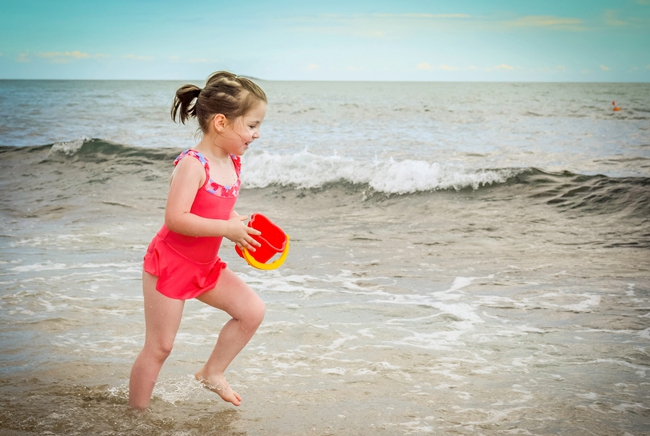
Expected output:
(187, 266)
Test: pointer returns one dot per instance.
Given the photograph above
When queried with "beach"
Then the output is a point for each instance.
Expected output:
(466, 258)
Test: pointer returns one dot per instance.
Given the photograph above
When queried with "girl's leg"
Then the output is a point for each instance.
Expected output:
(162, 317)
(234, 297)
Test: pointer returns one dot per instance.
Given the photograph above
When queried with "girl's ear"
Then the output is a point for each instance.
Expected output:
(219, 122)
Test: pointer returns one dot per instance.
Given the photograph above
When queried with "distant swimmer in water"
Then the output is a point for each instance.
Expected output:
(616, 108)
(182, 260)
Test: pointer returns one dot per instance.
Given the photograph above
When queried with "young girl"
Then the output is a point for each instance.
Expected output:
(182, 261)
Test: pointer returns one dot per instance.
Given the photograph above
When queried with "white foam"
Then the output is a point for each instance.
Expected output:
(416, 427)
(636, 408)
(274, 281)
(586, 305)
(458, 284)
(47, 266)
(461, 282)
(340, 341)
(460, 311)
(68, 148)
(306, 170)
(336, 371)
(52, 266)
(178, 389)
(442, 340)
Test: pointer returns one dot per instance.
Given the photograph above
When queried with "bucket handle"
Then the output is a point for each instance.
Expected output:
(267, 266)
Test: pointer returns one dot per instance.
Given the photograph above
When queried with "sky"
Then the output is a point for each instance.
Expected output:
(407, 40)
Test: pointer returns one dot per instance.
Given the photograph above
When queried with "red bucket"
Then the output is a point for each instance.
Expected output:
(273, 239)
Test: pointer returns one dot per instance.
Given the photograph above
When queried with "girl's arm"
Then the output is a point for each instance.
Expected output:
(187, 178)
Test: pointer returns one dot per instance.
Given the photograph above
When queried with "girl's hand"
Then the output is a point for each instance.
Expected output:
(240, 234)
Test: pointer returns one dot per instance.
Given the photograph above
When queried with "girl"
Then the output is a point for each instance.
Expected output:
(182, 261)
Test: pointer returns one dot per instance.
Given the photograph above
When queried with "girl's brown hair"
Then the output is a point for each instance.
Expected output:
(224, 93)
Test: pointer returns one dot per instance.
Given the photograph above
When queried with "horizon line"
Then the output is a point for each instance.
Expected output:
(327, 80)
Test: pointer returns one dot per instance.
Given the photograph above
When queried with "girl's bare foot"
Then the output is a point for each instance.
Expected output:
(219, 385)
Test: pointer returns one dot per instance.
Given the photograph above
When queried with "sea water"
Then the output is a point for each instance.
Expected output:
(466, 258)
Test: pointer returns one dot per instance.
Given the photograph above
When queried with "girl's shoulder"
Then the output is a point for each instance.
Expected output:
(193, 165)
(193, 153)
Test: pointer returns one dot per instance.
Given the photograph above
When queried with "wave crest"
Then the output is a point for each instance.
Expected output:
(307, 171)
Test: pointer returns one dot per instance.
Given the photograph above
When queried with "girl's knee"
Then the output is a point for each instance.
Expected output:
(160, 351)
(260, 312)
(254, 316)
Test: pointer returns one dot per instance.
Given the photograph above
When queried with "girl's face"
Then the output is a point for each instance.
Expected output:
(243, 130)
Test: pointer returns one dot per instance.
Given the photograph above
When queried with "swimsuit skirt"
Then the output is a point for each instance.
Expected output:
(187, 266)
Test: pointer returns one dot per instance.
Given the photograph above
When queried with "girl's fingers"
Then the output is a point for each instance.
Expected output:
(249, 243)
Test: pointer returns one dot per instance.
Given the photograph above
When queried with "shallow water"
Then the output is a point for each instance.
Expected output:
(518, 303)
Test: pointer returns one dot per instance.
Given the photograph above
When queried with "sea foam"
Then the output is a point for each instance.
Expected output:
(306, 170)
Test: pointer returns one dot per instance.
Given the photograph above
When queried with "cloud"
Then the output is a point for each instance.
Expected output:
(501, 67)
(443, 67)
(436, 16)
(548, 21)
(23, 57)
(604, 68)
(64, 57)
(313, 67)
(66, 54)
(612, 19)
(558, 69)
(139, 58)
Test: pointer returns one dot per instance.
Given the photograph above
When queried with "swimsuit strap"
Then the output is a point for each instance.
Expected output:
(200, 157)
(209, 185)
(236, 160)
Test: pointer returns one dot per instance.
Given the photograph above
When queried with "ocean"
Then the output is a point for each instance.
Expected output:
(466, 259)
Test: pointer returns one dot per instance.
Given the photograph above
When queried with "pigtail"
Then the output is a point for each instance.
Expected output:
(184, 105)
(224, 93)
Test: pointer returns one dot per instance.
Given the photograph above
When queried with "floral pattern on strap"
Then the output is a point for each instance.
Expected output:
(211, 186)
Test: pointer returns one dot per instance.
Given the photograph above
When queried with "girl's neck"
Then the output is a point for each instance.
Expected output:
(209, 147)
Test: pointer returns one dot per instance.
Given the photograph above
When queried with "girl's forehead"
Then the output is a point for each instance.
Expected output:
(257, 111)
